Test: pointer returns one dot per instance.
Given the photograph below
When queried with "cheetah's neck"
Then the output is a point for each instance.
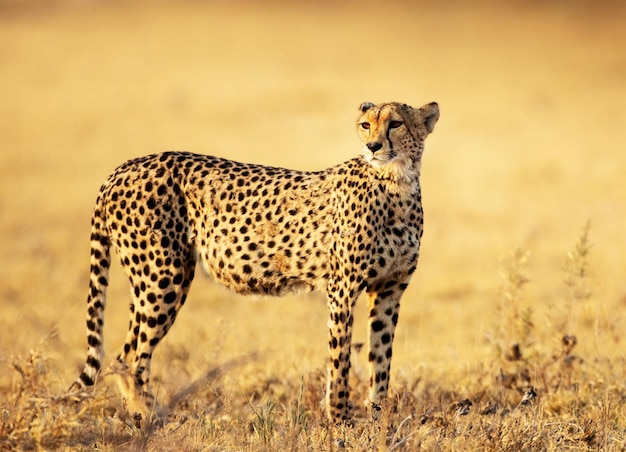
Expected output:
(400, 176)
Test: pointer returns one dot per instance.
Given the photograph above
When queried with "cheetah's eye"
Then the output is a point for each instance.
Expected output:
(395, 124)
(365, 125)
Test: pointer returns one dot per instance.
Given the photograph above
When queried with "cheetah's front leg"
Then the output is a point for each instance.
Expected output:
(341, 302)
(384, 304)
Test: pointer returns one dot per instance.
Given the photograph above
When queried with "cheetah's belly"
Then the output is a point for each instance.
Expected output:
(266, 251)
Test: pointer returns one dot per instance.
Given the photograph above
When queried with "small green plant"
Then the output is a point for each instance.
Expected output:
(516, 325)
(298, 418)
(265, 421)
(577, 281)
(576, 267)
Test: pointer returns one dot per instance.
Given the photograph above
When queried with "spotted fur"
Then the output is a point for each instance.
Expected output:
(257, 229)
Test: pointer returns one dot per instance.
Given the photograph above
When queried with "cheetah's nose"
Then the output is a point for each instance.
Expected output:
(374, 146)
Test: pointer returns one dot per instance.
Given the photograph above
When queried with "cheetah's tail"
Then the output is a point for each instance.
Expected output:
(96, 299)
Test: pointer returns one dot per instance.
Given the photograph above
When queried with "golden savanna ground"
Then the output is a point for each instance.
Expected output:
(511, 335)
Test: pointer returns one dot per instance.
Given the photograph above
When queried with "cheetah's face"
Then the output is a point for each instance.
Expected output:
(394, 131)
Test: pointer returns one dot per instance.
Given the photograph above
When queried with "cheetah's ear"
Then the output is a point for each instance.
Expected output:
(365, 106)
(429, 114)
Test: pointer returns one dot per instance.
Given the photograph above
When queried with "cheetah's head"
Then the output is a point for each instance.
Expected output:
(393, 134)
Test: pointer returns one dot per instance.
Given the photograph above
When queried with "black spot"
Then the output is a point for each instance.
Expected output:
(86, 379)
(378, 325)
(169, 297)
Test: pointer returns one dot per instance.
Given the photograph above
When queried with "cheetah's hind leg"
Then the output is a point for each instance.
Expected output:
(157, 299)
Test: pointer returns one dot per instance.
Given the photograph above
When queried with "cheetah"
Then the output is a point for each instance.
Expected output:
(258, 229)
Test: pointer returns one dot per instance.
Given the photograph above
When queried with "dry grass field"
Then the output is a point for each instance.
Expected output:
(512, 334)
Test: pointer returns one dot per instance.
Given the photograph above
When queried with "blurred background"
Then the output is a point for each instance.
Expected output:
(530, 146)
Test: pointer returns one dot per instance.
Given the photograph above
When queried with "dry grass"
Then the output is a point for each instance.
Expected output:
(510, 336)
